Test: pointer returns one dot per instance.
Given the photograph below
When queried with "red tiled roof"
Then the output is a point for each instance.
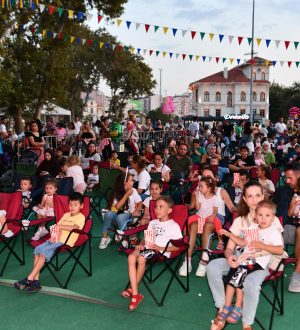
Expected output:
(234, 75)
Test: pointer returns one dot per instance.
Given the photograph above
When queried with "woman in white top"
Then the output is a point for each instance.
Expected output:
(216, 269)
(75, 171)
(264, 176)
(124, 203)
(159, 167)
(143, 177)
(91, 154)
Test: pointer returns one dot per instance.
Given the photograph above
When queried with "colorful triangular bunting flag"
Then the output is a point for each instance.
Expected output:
(230, 38)
(258, 41)
(221, 36)
(183, 33)
(128, 23)
(211, 36)
(166, 29)
(268, 42)
(119, 21)
(174, 32)
(202, 35)
(287, 43)
(240, 39)
(193, 33)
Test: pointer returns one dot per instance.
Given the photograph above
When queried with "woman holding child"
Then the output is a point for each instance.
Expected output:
(216, 269)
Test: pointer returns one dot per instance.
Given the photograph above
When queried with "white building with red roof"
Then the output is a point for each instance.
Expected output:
(228, 92)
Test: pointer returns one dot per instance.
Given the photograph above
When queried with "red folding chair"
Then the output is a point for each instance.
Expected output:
(12, 204)
(275, 176)
(172, 263)
(73, 253)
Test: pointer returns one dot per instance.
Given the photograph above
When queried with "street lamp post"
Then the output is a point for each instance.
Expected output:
(160, 90)
(252, 55)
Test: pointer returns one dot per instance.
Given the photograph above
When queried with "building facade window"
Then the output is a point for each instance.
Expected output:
(262, 97)
(254, 96)
(206, 97)
(243, 96)
(242, 111)
(206, 112)
(254, 75)
(229, 99)
(262, 112)
(218, 97)
(254, 112)
(218, 112)
(263, 76)
(197, 95)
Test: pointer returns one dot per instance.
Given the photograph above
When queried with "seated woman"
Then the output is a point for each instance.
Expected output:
(35, 141)
(268, 155)
(49, 167)
(86, 135)
(148, 153)
(124, 203)
(143, 177)
(159, 170)
(91, 154)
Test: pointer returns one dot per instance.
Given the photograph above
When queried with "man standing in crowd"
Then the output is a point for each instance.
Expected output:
(283, 198)
(3, 130)
(280, 127)
(78, 125)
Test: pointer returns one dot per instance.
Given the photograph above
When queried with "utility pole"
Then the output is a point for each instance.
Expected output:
(252, 55)
(160, 90)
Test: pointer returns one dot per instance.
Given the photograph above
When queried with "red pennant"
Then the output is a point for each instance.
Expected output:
(289, 63)
(240, 39)
(89, 42)
(217, 59)
(251, 61)
(51, 9)
(99, 18)
(183, 56)
(193, 33)
(60, 36)
(119, 47)
(150, 52)
(147, 26)
(287, 43)
(32, 29)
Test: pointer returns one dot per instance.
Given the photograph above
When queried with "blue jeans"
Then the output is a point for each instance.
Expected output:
(218, 268)
(113, 218)
(47, 249)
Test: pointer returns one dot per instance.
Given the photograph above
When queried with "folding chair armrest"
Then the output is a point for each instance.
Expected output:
(180, 243)
(135, 230)
(75, 231)
(39, 221)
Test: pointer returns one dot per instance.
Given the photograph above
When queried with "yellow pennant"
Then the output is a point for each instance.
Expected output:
(132, 50)
(71, 13)
(43, 33)
(231, 60)
(21, 4)
(258, 40)
(72, 39)
(166, 29)
(267, 62)
(37, 2)
(2, 3)
(211, 36)
(101, 44)
(119, 21)
(197, 57)
(164, 54)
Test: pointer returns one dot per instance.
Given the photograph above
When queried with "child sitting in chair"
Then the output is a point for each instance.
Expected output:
(93, 178)
(44, 252)
(165, 229)
(25, 188)
(257, 253)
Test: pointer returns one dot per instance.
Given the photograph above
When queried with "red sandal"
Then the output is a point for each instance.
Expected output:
(135, 301)
(127, 294)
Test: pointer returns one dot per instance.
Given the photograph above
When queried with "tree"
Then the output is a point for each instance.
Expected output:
(34, 70)
(157, 114)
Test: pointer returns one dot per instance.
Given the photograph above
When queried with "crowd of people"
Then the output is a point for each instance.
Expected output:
(233, 176)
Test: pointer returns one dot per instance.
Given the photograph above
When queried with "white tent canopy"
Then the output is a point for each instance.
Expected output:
(54, 110)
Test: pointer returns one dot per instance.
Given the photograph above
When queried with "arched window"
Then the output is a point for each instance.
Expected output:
(263, 76)
(254, 75)
(262, 97)
(206, 97)
(243, 96)
(229, 99)
(218, 97)
(254, 96)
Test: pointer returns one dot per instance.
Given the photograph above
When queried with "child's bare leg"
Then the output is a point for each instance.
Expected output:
(193, 231)
(2, 222)
(140, 269)
(229, 295)
(35, 274)
(239, 295)
(132, 271)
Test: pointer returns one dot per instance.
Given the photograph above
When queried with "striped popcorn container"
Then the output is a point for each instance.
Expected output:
(201, 223)
(55, 234)
(250, 235)
(149, 236)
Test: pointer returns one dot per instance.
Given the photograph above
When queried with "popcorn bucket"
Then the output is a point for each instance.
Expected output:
(55, 234)
(25, 224)
(250, 235)
(201, 223)
(149, 236)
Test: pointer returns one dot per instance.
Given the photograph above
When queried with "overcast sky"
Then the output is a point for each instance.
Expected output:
(274, 19)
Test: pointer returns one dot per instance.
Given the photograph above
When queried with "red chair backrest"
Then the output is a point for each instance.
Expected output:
(61, 206)
(12, 204)
(179, 214)
(275, 175)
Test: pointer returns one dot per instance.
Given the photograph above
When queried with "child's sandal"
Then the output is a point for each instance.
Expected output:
(220, 320)
(127, 294)
(235, 316)
(135, 301)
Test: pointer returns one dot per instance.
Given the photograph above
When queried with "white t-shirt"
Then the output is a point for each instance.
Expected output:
(146, 202)
(133, 199)
(76, 173)
(163, 168)
(134, 173)
(267, 184)
(207, 205)
(237, 195)
(280, 128)
(165, 231)
(92, 178)
(78, 125)
(3, 128)
(194, 128)
(144, 181)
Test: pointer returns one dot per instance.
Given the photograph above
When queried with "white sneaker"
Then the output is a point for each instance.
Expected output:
(41, 232)
(182, 270)
(201, 270)
(8, 234)
(104, 242)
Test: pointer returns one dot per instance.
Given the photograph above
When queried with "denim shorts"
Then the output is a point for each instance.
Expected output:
(47, 249)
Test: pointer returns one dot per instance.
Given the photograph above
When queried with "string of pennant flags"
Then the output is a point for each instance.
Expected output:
(193, 34)
(152, 52)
